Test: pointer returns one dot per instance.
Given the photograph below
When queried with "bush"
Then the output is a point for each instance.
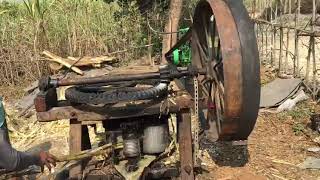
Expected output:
(65, 27)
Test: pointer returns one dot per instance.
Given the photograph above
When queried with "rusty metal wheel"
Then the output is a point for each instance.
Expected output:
(224, 42)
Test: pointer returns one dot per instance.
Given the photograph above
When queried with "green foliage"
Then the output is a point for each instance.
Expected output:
(36, 8)
(65, 27)
(298, 128)
(301, 112)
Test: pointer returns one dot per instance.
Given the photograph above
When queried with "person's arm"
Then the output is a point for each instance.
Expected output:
(13, 160)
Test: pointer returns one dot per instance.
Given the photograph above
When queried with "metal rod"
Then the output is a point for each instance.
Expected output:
(182, 41)
(108, 79)
(127, 77)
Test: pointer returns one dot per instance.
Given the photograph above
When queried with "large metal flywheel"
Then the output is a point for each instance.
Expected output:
(224, 42)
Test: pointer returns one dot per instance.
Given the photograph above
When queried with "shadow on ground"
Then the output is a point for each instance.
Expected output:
(226, 153)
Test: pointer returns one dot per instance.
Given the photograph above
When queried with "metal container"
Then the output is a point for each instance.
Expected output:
(155, 139)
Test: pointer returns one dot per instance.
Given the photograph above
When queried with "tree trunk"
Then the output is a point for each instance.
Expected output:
(171, 26)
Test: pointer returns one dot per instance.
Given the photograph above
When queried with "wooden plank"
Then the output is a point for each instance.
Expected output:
(185, 145)
(91, 113)
(75, 146)
(78, 141)
(62, 61)
(32, 87)
(135, 70)
(46, 100)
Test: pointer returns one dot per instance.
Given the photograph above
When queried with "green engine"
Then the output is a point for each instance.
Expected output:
(182, 55)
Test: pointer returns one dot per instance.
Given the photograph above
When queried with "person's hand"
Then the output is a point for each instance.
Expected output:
(46, 159)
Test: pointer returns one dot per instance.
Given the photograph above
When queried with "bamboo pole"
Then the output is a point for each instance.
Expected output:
(262, 43)
(314, 92)
(296, 21)
(287, 52)
(285, 8)
(314, 70)
(151, 62)
(264, 26)
(271, 11)
(88, 153)
(260, 6)
(259, 35)
(315, 87)
(276, 13)
(265, 5)
(278, 25)
(255, 7)
(281, 52)
(290, 7)
(267, 34)
(308, 60)
(273, 45)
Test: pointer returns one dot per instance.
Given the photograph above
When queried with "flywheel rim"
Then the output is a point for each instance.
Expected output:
(230, 103)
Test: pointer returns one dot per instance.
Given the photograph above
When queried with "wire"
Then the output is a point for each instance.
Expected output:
(66, 73)
(159, 32)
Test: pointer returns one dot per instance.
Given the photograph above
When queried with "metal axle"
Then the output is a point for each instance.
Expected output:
(164, 73)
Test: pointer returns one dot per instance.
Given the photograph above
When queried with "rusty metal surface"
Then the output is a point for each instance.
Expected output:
(46, 100)
(108, 79)
(186, 37)
(185, 145)
(231, 52)
(238, 73)
(251, 68)
(167, 72)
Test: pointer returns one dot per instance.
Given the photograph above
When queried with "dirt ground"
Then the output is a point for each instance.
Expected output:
(276, 147)
(274, 150)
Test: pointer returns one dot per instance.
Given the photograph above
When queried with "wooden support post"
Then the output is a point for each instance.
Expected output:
(281, 51)
(287, 52)
(150, 50)
(185, 145)
(285, 8)
(296, 52)
(308, 60)
(254, 8)
(267, 35)
(78, 141)
(171, 26)
(276, 14)
(262, 42)
(75, 137)
(273, 45)
(314, 70)
(290, 7)
(271, 13)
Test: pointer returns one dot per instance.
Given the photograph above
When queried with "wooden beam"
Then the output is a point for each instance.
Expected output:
(75, 139)
(91, 113)
(185, 145)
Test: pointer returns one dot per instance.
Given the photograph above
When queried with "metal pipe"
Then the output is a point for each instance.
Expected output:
(105, 79)
(128, 77)
(182, 41)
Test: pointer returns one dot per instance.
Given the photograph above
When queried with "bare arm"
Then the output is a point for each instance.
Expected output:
(11, 159)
